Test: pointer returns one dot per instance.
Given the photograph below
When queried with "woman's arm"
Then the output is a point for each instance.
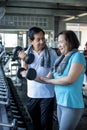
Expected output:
(74, 73)
(48, 76)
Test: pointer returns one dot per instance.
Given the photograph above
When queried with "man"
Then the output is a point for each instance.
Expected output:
(40, 96)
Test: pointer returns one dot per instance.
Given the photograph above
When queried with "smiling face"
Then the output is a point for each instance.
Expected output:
(63, 45)
(38, 42)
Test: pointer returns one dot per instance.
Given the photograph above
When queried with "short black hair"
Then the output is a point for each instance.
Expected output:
(72, 38)
(33, 31)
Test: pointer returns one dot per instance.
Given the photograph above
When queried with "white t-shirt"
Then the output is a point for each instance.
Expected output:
(39, 90)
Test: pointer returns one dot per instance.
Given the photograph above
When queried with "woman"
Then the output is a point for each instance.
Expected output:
(67, 76)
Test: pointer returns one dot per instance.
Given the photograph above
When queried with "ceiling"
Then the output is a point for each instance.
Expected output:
(67, 10)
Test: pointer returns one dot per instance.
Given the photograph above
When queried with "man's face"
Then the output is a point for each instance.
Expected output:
(39, 41)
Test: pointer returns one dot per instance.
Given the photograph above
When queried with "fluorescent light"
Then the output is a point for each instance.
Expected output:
(83, 14)
(75, 17)
(70, 18)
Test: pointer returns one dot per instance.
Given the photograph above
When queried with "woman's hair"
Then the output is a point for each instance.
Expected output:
(71, 38)
(33, 31)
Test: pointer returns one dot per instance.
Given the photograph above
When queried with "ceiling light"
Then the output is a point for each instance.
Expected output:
(83, 14)
(75, 17)
(70, 18)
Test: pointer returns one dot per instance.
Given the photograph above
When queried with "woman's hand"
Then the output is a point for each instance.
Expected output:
(40, 80)
(45, 79)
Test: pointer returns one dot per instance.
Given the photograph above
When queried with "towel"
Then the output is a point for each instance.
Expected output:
(61, 62)
(46, 60)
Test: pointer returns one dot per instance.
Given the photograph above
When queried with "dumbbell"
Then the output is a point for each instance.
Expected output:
(31, 73)
(28, 59)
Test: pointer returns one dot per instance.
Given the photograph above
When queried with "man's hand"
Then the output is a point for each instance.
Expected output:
(22, 55)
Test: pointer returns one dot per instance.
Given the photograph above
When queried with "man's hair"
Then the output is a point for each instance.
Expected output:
(33, 31)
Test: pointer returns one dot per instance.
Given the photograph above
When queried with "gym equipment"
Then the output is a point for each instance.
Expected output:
(16, 51)
(13, 125)
(28, 59)
(31, 73)
(13, 115)
(19, 72)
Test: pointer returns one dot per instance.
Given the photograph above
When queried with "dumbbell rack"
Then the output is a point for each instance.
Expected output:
(13, 115)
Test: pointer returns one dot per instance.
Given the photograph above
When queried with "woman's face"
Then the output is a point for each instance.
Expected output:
(63, 44)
